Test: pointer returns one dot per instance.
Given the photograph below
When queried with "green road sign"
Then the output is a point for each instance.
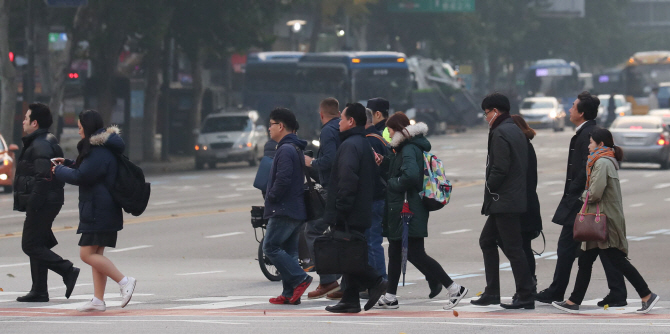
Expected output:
(431, 6)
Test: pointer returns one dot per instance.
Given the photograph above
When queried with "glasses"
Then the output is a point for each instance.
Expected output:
(488, 112)
(273, 123)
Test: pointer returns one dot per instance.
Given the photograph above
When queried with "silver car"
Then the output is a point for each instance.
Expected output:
(643, 139)
(543, 112)
(229, 137)
(622, 108)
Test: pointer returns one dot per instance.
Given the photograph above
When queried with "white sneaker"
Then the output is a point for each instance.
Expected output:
(127, 291)
(90, 307)
(455, 297)
(386, 303)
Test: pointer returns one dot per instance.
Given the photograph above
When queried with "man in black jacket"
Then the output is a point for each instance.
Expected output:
(583, 113)
(41, 197)
(349, 204)
(504, 201)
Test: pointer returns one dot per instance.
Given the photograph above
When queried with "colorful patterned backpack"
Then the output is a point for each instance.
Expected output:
(436, 191)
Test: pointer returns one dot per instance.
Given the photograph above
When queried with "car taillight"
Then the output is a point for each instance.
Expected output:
(662, 140)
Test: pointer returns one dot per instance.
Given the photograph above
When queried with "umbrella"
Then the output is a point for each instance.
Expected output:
(405, 215)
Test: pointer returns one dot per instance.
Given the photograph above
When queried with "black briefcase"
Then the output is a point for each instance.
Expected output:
(339, 252)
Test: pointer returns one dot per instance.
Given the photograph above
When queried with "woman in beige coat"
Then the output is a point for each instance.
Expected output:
(604, 191)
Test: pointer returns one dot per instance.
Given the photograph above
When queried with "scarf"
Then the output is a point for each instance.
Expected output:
(501, 117)
(599, 152)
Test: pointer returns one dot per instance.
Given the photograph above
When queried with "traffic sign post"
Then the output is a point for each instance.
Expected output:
(432, 6)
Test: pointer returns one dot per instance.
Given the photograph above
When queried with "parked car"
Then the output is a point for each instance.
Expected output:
(228, 137)
(643, 139)
(543, 112)
(663, 113)
(623, 108)
(663, 95)
(7, 164)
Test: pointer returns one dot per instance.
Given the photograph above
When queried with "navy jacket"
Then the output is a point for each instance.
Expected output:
(380, 147)
(329, 143)
(285, 194)
(98, 212)
(350, 193)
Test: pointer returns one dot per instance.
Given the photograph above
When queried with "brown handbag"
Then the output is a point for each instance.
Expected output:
(590, 226)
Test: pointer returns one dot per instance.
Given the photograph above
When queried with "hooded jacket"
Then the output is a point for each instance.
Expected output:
(33, 183)
(285, 193)
(352, 182)
(404, 171)
(98, 212)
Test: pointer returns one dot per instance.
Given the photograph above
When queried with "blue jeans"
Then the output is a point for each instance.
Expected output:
(376, 257)
(281, 246)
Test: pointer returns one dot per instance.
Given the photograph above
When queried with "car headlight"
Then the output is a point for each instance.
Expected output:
(553, 114)
(3, 177)
(316, 143)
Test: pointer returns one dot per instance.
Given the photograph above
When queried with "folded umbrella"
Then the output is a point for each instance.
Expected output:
(405, 215)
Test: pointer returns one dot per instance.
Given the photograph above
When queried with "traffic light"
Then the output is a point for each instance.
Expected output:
(11, 57)
(73, 75)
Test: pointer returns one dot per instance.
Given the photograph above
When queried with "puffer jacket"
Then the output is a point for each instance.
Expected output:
(33, 183)
(404, 171)
(98, 212)
(285, 192)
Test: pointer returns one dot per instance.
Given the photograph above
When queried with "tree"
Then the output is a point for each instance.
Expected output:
(7, 75)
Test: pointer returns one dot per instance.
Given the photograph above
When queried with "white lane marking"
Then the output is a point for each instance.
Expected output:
(130, 248)
(230, 176)
(623, 181)
(667, 199)
(63, 286)
(547, 183)
(457, 231)
(13, 216)
(15, 265)
(385, 243)
(228, 196)
(652, 174)
(555, 257)
(221, 299)
(662, 185)
(164, 203)
(72, 306)
(406, 283)
(245, 189)
(472, 205)
(665, 230)
(634, 238)
(556, 193)
(545, 255)
(223, 235)
(202, 273)
(465, 276)
(107, 296)
(637, 205)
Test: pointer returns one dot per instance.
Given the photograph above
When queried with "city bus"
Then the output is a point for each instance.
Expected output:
(299, 81)
(553, 77)
(643, 72)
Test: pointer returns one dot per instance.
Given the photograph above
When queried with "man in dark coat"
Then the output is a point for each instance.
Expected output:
(504, 202)
(380, 113)
(349, 204)
(285, 207)
(583, 113)
(41, 197)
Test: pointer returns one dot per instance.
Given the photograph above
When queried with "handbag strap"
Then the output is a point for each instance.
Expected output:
(586, 201)
(310, 183)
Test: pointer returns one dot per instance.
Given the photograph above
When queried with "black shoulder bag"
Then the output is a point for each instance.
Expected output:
(314, 203)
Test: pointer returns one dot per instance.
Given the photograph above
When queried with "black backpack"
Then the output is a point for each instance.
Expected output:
(130, 190)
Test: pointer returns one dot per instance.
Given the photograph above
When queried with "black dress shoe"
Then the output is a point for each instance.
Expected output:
(519, 304)
(70, 280)
(34, 297)
(612, 302)
(486, 299)
(435, 289)
(344, 308)
(376, 292)
(545, 296)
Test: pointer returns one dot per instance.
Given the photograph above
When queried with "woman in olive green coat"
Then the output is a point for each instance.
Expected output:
(403, 170)
(603, 192)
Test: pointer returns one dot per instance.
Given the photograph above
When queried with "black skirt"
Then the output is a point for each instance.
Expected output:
(103, 239)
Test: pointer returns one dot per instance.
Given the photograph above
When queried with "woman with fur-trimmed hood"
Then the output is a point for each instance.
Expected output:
(403, 169)
(100, 217)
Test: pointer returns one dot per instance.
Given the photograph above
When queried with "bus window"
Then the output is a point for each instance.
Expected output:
(646, 75)
(390, 83)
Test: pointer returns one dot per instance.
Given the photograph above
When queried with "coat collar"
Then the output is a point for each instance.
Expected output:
(413, 131)
(585, 125)
(27, 140)
(102, 135)
(357, 130)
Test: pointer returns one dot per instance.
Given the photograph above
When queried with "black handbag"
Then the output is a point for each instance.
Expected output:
(341, 252)
(315, 205)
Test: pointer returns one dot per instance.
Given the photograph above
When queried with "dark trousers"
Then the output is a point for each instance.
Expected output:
(566, 253)
(506, 227)
(37, 241)
(352, 284)
(528, 251)
(416, 254)
(618, 259)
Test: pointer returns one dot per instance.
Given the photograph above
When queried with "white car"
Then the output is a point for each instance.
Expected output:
(543, 112)
(623, 108)
(663, 113)
(230, 136)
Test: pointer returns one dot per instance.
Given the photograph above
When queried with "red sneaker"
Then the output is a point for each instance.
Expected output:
(281, 300)
(300, 289)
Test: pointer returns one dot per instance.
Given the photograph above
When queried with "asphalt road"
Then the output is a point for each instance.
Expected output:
(194, 255)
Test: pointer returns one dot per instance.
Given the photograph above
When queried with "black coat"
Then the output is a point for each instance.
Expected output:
(329, 141)
(507, 164)
(352, 182)
(575, 179)
(98, 212)
(285, 193)
(33, 184)
(531, 221)
(378, 144)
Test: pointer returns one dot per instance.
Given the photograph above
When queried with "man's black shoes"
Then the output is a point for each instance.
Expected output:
(34, 297)
(70, 280)
(545, 296)
(376, 292)
(611, 302)
(486, 299)
(519, 304)
(344, 308)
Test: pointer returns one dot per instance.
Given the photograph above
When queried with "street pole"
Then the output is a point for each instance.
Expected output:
(167, 79)
(29, 74)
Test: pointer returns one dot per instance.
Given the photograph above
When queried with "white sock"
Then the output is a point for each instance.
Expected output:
(390, 296)
(454, 288)
(96, 301)
(124, 281)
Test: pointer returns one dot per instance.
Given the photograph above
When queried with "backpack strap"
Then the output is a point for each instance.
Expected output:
(378, 137)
